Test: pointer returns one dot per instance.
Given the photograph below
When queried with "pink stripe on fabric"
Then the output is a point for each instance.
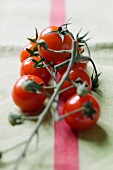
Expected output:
(65, 140)
(57, 13)
(66, 145)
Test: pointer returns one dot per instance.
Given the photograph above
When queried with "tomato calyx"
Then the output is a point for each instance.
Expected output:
(81, 39)
(15, 119)
(88, 110)
(32, 86)
(82, 89)
(34, 40)
(95, 83)
(38, 64)
(33, 52)
(79, 81)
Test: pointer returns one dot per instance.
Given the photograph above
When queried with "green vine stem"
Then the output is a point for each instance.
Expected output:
(70, 113)
(59, 66)
(43, 44)
(61, 91)
(49, 71)
(11, 148)
(56, 99)
(89, 59)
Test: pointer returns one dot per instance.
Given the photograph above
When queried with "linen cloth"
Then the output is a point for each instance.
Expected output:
(18, 20)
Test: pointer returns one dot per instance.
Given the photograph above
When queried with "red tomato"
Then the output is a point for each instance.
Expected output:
(27, 101)
(27, 67)
(24, 53)
(82, 65)
(79, 120)
(74, 75)
(55, 42)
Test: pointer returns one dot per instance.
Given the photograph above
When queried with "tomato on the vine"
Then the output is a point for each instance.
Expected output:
(32, 66)
(27, 100)
(55, 40)
(24, 53)
(88, 111)
(74, 74)
(81, 65)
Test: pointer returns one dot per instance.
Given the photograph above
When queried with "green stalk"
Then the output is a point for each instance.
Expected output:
(59, 66)
(70, 113)
(89, 59)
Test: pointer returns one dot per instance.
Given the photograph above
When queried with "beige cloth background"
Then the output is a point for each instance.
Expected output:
(17, 22)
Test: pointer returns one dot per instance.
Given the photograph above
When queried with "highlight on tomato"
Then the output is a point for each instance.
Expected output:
(34, 66)
(28, 99)
(78, 76)
(56, 39)
(85, 111)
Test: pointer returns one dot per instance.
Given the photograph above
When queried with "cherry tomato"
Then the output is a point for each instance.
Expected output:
(55, 42)
(82, 120)
(24, 53)
(74, 75)
(82, 65)
(28, 67)
(27, 101)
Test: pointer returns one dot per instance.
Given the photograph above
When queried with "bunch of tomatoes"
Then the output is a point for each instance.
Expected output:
(46, 59)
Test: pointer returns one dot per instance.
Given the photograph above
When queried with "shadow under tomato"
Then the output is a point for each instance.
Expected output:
(96, 134)
(47, 118)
